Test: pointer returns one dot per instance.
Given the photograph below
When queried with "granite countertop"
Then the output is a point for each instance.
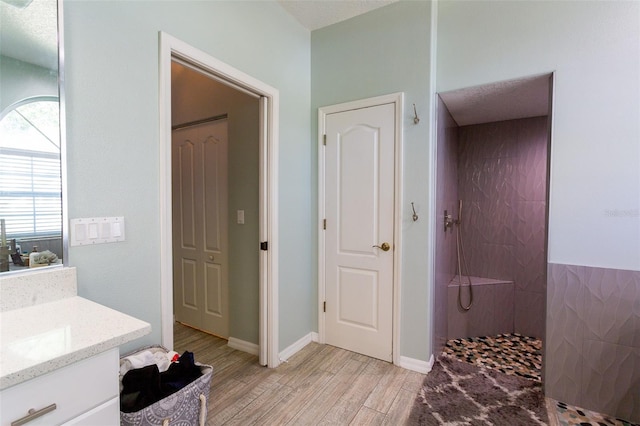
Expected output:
(44, 337)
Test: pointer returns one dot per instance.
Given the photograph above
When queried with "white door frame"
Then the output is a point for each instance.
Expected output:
(170, 47)
(398, 100)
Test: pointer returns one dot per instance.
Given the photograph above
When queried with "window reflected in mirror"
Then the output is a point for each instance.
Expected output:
(30, 183)
(31, 187)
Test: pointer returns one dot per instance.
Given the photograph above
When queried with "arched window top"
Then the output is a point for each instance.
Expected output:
(32, 125)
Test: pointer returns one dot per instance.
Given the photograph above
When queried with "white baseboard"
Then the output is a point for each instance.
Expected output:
(241, 345)
(416, 365)
(412, 364)
(297, 346)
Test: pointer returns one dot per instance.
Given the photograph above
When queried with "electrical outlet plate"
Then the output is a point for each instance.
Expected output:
(96, 230)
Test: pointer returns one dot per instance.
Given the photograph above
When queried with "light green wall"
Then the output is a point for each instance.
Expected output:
(387, 51)
(243, 195)
(594, 49)
(112, 109)
(21, 80)
(111, 53)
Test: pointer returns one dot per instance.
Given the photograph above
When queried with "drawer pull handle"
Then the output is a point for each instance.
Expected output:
(33, 414)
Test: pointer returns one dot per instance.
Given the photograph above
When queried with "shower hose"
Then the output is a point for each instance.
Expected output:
(460, 249)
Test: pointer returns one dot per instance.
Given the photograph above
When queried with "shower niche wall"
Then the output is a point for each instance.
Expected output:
(492, 158)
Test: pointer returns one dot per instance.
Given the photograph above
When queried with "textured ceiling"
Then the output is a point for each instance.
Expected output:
(505, 100)
(314, 14)
(30, 33)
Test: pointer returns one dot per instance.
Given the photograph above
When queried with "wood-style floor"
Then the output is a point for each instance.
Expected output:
(320, 385)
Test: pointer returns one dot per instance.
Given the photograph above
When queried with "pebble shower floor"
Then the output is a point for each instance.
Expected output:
(513, 354)
(520, 355)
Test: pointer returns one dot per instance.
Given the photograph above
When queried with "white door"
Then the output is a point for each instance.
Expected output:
(359, 210)
(200, 227)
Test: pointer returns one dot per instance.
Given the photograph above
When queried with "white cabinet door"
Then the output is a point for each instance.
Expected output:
(107, 414)
(200, 227)
(74, 389)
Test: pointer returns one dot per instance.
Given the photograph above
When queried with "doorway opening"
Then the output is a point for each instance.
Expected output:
(492, 200)
(260, 103)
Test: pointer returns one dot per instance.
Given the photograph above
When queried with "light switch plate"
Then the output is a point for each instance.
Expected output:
(96, 230)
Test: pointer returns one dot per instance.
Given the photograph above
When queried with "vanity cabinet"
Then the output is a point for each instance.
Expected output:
(59, 348)
(85, 393)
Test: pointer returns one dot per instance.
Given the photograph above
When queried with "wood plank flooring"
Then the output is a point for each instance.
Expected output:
(320, 385)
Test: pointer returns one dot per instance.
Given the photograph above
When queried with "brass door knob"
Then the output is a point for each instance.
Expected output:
(384, 246)
(210, 257)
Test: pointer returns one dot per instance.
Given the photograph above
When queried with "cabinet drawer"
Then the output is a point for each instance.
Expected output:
(107, 414)
(74, 389)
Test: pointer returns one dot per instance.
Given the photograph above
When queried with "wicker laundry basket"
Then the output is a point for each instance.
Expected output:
(185, 407)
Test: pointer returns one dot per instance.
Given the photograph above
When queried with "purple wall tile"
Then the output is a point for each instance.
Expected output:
(531, 164)
(611, 379)
(564, 336)
(501, 261)
(592, 356)
(610, 299)
(480, 316)
(502, 170)
(529, 316)
(563, 377)
(499, 171)
(458, 324)
(636, 309)
(504, 309)
(592, 335)
(530, 233)
(446, 198)
(492, 311)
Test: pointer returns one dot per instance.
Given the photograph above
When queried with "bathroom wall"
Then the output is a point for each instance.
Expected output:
(593, 333)
(446, 199)
(386, 51)
(592, 48)
(502, 182)
(594, 200)
(111, 59)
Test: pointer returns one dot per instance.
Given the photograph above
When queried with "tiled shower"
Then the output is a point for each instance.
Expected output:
(592, 334)
(499, 171)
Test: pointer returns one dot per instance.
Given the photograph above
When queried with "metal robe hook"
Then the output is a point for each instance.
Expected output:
(416, 120)
(414, 216)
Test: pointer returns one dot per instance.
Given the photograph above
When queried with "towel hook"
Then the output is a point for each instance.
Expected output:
(414, 216)
(416, 120)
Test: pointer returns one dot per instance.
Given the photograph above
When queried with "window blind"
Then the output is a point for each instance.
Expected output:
(30, 183)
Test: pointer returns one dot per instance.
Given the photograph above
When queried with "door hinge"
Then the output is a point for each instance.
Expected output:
(324, 224)
(324, 306)
(264, 246)
(324, 139)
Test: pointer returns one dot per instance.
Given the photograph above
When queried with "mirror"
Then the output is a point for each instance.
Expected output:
(30, 136)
